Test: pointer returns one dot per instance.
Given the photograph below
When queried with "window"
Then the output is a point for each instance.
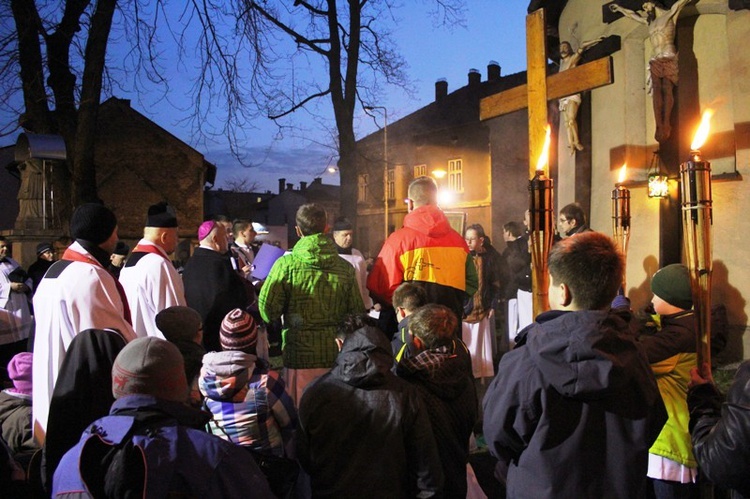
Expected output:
(391, 183)
(362, 188)
(455, 175)
(420, 171)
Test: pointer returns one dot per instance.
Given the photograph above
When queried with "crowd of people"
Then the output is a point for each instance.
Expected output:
(158, 383)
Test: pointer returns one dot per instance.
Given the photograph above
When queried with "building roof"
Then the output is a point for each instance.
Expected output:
(454, 109)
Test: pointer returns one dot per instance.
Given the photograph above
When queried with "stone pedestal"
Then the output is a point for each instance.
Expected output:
(24, 243)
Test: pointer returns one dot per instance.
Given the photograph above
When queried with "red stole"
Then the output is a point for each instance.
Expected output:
(75, 256)
(147, 248)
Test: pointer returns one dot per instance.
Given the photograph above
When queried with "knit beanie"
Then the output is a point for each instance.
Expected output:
(672, 284)
(179, 323)
(19, 371)
(92, 222)
(150, 366)
(238, 331)
(161, 215)
(42, 247)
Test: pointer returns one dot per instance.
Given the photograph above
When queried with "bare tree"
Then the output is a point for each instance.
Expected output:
(240, 184)
(283, 40)
(53, 53)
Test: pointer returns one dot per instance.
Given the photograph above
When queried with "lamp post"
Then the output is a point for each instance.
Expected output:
(385, 163)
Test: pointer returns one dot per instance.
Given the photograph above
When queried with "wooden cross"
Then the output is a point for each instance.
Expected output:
(542, 88)
(538, 90)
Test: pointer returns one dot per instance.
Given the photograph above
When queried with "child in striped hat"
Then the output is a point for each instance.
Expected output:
(249, 402)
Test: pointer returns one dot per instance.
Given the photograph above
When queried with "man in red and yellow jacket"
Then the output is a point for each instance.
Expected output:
(425, 250)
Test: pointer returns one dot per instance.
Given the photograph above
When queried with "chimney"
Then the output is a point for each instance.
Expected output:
(289, 186)
(302, 186)
(441, 89)
(282, 181)
(475, 77)
(493, 71)
(318, 180)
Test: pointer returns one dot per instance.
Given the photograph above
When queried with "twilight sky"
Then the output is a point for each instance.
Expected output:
(494, 31)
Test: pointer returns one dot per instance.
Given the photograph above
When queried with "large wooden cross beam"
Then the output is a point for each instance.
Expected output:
(541, 88)
(538, 90)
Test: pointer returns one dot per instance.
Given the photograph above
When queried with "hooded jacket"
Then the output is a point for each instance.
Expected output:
(169, 456)
(720, 431)
(427, 250)
(573, 412)
(363, 431)
(82, 394)
(447, 390)
(15, 422)
(312, 288)
(249, 403)
(671, 352)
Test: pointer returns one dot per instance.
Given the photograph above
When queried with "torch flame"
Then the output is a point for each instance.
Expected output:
(541, 164)
(702, 134)
(621, 176)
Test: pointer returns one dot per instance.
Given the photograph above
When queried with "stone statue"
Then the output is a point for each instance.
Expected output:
(31, 194)
(663, 69)
(569, 105)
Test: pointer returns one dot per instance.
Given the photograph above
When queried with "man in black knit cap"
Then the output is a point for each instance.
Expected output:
(76, 293)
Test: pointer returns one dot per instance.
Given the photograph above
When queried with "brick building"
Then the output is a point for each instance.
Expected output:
(484, 163)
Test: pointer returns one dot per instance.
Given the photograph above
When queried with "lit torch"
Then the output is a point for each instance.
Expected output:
(695, 180)
(541, 227)
(621, 215)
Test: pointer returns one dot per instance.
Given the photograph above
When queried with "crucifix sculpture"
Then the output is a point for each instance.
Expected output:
(663, 70)
(534, 96)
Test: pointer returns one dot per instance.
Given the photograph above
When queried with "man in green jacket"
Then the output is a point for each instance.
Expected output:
(312, 289)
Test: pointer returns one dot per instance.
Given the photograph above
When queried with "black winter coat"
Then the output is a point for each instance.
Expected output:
(447, 388)
(213, 289)
(363, 431)
(573, 412)
(721, 432)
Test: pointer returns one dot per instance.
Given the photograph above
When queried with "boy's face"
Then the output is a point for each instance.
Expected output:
(473, 240)
(400, 313)
(661, 307)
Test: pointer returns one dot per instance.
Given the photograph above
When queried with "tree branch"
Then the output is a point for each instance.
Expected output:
(299, 105)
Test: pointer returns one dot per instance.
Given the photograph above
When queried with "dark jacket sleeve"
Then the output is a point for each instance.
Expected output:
(510, 417)
(676, 336)
(720, 432)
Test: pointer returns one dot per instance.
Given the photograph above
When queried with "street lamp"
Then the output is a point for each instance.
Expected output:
(385, 162)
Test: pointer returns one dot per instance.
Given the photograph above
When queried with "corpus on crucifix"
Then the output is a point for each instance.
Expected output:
(663, 71)
(534, 96)
(569, 105)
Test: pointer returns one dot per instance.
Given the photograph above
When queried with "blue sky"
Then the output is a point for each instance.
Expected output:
(494, 31)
